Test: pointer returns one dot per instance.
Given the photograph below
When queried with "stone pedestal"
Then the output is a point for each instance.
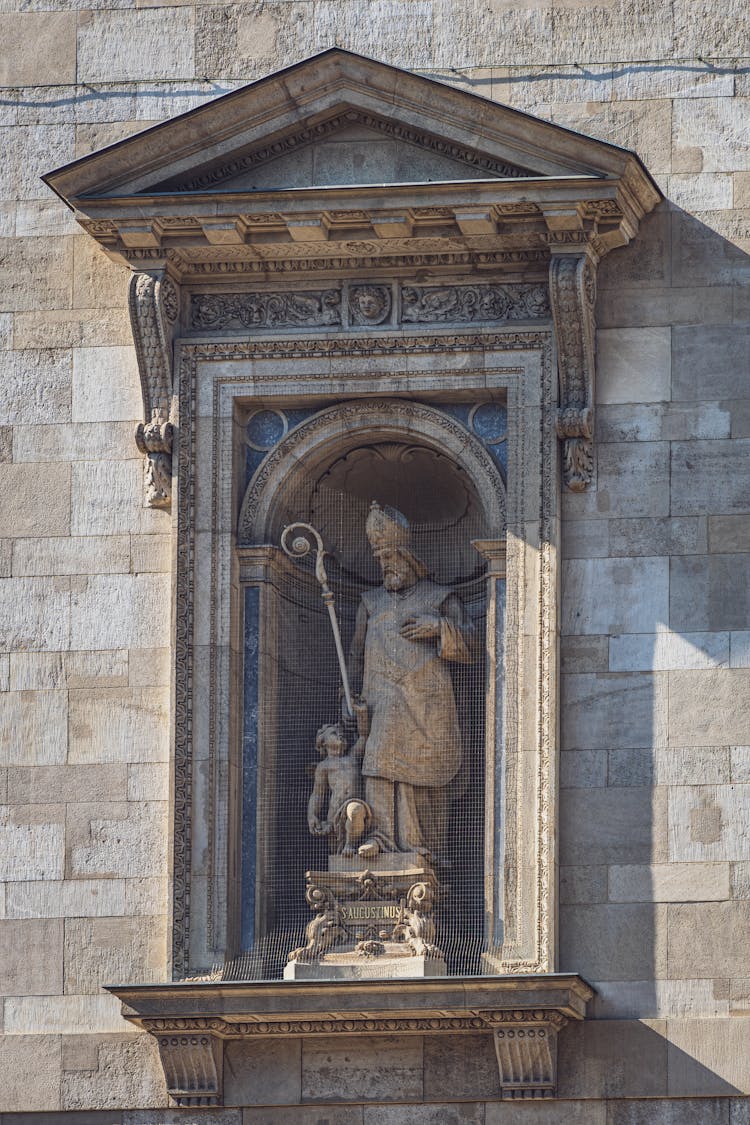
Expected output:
(375, 923)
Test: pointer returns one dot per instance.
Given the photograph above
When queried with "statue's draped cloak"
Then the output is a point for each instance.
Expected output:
(414, 733)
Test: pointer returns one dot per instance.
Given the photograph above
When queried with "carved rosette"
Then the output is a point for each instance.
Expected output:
(572, 296)
(154, 306)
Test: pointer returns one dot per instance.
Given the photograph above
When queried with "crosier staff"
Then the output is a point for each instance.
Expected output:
(297, 549)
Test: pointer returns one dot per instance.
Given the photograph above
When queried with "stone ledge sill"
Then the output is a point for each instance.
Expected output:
(192, 1020)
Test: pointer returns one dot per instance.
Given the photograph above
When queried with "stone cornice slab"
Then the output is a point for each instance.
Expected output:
(192, 1020)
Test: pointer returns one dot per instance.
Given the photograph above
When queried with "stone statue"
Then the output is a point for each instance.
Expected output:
(406, 634)
(337, 777)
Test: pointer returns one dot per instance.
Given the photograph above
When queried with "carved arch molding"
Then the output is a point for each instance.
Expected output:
(266, 273)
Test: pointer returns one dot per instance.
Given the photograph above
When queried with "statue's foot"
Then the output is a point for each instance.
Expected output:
(369, 849)
(347, 850)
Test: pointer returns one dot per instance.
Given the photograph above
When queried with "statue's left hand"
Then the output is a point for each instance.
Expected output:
(420, 628)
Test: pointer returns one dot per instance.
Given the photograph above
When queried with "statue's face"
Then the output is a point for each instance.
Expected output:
(369, 304)
(335, 745)
(397, 574)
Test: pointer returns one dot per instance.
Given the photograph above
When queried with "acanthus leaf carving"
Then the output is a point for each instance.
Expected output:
(572, 288)
(153, 301)
(421, 304)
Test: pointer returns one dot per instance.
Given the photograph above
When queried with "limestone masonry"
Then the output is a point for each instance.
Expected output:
(365, 279)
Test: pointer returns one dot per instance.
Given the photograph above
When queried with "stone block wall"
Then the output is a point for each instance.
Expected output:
(655, 776)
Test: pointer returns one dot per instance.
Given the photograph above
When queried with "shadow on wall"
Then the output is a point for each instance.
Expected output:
(654, 802)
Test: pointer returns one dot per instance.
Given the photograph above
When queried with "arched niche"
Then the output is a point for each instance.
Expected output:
(325, 472)
(309, 450)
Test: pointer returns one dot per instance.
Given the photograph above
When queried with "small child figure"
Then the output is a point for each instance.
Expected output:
(338, 774)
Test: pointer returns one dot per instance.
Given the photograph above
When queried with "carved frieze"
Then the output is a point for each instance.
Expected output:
(572, 295)
(369, 305)
(153, 302)
(462, 303)
(308, 309)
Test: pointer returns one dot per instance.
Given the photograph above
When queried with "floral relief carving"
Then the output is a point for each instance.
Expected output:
(309, 309)
(572, 294)
(422, 304)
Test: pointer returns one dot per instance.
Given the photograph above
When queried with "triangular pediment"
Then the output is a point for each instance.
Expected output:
(349, 147)
(336, 119)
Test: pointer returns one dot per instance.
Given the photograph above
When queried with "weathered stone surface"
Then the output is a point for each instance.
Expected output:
(706, 304)
(34, 386)
(36, 273)
(645, 262)
(30, 851)
(709, 822)
(613, 1058)
(381, 1068)
(40, 47)
(118, 841)
(604, 596)
(106, 386)
(615, 941)
(468, 1113)
(664, 650)
(22, 975)
(33, 727)
(118, 725)
(714, 126)
(98, 283)
(586, 539)
(78, 898)
(117, 611)
(89, 554)
(34, 502)
(708, 1059)
(617, 825)
(659, 999)
(66, 442)
(729, 533)
(30, 1066)
(630, 767)
(630, 479)
(692, 765)
(71, 328)
(710, 592)
(62, 1015)
(262, 1073)
(46, 784)
(710, 362)
(693, 946)
(100, 951)
(584, 654)
(660, 1111)
(546, 1113)
(633, 365)
(711, 475)
(128, 46)
(460, 1067)
(669, 882)
(708, 708)
(657, 536)
(583, 769)
(129, 1074)
(663, 421)
(640, 125)
(616, 710)
(583, 884)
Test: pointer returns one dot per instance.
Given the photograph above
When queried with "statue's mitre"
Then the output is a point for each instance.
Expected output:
(386, 528)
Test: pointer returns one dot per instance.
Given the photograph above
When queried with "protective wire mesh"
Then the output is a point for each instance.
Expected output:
(415, 697)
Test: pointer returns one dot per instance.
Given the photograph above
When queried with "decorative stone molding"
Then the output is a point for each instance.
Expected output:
(154, 308)
(191, 1021)
(193, 1066)
(308, 309)
(572, 287)
(526, 1050)
(461, 303)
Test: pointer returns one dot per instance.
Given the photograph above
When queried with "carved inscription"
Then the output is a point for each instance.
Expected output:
(310, 309)
(424, 305)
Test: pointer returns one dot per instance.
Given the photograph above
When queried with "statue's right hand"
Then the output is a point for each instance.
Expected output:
(316, 828)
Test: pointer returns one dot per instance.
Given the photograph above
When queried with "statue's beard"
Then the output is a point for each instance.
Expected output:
(395, 579)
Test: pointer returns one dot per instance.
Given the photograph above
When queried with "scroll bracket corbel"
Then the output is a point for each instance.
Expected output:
(572, 285)
(153, 302)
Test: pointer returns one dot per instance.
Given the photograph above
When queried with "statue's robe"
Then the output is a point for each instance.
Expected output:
(414, 739)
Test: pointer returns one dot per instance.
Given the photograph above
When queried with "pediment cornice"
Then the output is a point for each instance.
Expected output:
(343, 167)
